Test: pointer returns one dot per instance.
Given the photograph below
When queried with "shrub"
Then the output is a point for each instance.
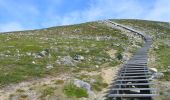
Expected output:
(119, 56)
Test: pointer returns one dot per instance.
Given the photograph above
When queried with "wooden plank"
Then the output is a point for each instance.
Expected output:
(132, 95)
(133, 80)
(127, 84)
(140, 73)
(134, 68)
(149, 89)
(144, 76)
(134, 71)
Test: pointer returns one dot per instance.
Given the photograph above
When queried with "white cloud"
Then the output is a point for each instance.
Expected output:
(131, 9)
(13, 26)
(99, 9)
(160, 11)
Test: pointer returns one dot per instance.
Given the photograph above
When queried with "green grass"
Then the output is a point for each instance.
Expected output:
(114, 63)
(16, 66)
(99, 84)
(163, 62)
(71, 90)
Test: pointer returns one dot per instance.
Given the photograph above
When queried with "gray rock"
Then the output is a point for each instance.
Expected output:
(87, 86)
(28, 53)
(82, 84)
(168, 67)
(92, 81)
(125, 57)
(15, 97)
(158, 75)
(42, 54)
(66, 60)
(115, 44)
(78, 58)
(49, 66)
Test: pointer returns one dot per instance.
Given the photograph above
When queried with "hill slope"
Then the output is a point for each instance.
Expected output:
(46, 62)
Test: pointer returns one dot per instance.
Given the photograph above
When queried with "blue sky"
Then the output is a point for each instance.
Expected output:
(35, 14)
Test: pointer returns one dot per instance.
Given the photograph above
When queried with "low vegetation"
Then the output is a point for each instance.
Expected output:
(98, 85)
(21, 58)
(47, 90)
(79, 51)
(71, 90)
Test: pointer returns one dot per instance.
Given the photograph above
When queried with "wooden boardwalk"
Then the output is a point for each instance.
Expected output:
(133, 81)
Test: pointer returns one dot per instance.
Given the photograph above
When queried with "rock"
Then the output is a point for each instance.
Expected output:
(115, 44)
(82, 84)
(97, 66)
(56, 49)
(2, 55)
(97, 39)
(11, 46)
(167, 43)
(28, 53)
(87, 51)
(78, 58)
(15, 97)
(153, 70)
(33, 62)
(86, 86)
(92, 81)
(66, 60)
(157, 75)
(168, 67)
(42, 54)
(49, 66)
(125, 57)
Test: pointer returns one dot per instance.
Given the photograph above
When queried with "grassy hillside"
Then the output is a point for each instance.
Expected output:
(88, 51)
(20, 51)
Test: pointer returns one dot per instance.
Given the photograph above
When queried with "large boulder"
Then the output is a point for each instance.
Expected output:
(66, 60)
(82, 84)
